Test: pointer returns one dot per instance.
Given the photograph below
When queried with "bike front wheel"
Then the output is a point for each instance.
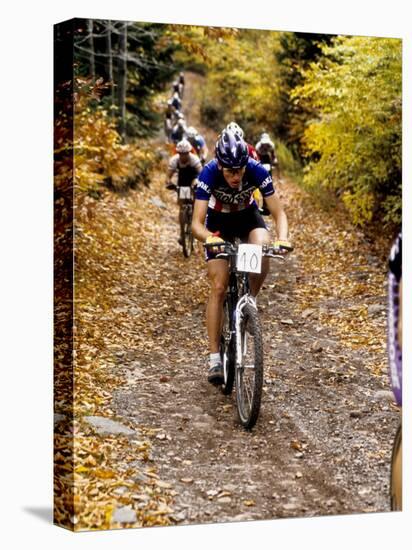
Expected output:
(249, 368)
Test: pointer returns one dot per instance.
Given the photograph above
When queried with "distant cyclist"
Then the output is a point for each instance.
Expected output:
(176, 101)
(265, 149)
(186, 165)
(181, 82)
(224, 210)
(175, 87)
(198, 143)
(169, 120)
(179, 130)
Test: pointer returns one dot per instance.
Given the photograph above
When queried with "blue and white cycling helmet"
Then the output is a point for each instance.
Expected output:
(191, 132)
(231, 150)
(235, 129)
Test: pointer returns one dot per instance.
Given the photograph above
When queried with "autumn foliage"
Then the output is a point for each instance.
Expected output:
(101, 157)
(334, 102)
(353, 141)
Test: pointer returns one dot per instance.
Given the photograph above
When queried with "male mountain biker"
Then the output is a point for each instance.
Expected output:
(224, 210)
(181, 81)
(179, 129)
(175, 87)
(170, 115)
(265, 149)
(187, 166)
(176, 101)
(198, 143)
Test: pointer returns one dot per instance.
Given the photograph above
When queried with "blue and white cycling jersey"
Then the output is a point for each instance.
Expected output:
(213, 187)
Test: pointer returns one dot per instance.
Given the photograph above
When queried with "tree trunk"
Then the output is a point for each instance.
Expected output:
(91, 46)
(122, 79)
(109, 63)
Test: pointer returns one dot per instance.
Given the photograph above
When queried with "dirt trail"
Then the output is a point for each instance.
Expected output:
(322, 442)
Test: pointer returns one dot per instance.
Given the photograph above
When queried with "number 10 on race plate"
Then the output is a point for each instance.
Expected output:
(249, 258)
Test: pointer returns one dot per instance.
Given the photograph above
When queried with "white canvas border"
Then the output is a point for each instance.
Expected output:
(26, 275)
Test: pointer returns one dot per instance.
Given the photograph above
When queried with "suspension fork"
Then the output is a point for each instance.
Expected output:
(240, 305)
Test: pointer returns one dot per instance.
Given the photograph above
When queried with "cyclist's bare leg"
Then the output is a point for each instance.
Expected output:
(259, 236)
(218, 272)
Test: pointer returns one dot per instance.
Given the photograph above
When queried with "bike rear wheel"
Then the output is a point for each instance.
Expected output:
(186, 230)
(396, 472)
(249, 368)
(227, 352)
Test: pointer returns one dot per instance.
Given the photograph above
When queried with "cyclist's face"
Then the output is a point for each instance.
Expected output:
(184, 157)
(233, 176)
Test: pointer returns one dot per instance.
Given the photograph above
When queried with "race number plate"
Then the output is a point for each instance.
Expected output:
(249, 258)
(185, 193)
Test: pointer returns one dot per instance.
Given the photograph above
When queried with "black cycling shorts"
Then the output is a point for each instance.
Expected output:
(232, 225)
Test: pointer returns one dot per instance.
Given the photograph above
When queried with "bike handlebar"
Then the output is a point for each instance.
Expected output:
(230, 249)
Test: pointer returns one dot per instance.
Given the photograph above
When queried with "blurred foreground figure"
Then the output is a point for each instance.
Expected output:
(395, 362)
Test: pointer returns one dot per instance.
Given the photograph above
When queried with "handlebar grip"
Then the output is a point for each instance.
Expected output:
(214, 245)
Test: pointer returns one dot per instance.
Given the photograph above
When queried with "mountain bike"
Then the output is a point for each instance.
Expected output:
(241, 344)
(185, 196)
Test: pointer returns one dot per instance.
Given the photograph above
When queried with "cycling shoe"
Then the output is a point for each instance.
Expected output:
(215, 374)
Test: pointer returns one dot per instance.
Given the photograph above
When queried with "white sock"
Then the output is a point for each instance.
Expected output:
(214, 358)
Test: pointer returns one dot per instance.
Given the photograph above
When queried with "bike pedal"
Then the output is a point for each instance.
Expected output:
(215, 375)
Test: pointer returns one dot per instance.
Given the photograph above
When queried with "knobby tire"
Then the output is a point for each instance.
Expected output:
(186, 231)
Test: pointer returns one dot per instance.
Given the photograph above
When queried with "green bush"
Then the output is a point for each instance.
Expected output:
(288, 162)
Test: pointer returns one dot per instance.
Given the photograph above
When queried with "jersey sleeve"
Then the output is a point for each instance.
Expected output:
(173, 163)
(204, 186)
(195, 162)
(264, 180)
